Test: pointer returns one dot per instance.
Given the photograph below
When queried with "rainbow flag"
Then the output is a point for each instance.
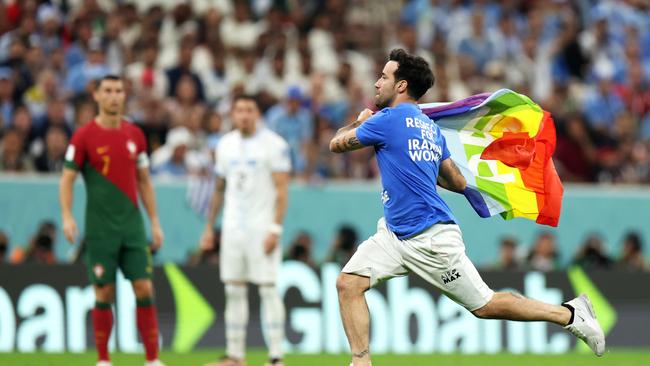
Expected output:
(503, 143)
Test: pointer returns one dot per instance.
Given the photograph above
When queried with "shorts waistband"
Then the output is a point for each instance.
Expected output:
(446, 222)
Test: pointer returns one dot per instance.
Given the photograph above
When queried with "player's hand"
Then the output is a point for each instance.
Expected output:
(157, 236)
(270, 243)
(70, 230)
(364, 115)
(207, 239)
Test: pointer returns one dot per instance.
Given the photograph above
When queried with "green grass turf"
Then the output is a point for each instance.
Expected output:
(257, 358)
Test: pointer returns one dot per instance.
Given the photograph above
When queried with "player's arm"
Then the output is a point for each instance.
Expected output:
(65, 197)
(281, 182)
(148, 197)
(207, 239)
(450, 177)
(346, 137)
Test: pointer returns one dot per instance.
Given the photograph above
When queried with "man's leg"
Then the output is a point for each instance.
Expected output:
(273, 314)
(355, 315)
(438, 256)
(103, 319)
(146, 317)
(236, 318)
(511, 306)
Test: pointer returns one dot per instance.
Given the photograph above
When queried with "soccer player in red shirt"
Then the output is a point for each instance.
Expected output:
(111, 155)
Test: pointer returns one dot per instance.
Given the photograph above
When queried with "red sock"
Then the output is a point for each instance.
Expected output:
(148, 327)
(103, 324)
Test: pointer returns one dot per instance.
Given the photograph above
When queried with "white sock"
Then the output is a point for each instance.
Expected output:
(236, 318)
(273, 316)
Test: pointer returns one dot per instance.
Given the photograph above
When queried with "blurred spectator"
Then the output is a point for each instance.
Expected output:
(172, 159)
(184, 103)
(51, 160)
(591, 255)
(46, 89)
(543, 255)
(602, 106)
(343, 246)
(7, 103)
(300, 249)
(476, 46)
(210, 256)
(239, 31)
(508, 255)
(23, 123)
(12, 153)
(575, 153)
(56, 115)
(184, 69)
(296, 125)
(148, 78)
(4, 246)
(632, 257)
(41, 245)
(81, 75)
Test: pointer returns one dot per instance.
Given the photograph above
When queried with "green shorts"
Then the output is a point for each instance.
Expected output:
(104, 257)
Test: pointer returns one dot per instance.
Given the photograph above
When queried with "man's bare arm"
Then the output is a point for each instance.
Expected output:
(148, 197)
(65, 198)
(147, 194)
(216, 202)
(281, 182)
(346, 139)
(450, 177)
(207, 238)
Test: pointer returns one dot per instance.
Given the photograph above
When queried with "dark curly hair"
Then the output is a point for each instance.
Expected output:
(415, 70)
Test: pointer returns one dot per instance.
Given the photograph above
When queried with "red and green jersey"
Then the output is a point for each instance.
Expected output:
(108, 159)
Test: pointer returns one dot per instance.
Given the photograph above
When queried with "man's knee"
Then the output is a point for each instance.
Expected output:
(236, 290)
(349, 284)
(105, 293)
(143, 289)
(484, 312)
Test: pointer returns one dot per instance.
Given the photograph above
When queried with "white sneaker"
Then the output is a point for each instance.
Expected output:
(155, 362)
(104, 363)
(585, 326)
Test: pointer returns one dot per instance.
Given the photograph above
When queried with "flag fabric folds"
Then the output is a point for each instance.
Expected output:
(503, 142)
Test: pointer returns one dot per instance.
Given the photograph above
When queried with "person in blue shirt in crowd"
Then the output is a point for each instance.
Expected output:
(295, 124)
(418, 232)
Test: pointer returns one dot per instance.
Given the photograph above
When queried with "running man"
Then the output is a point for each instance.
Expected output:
(253, 166)
(418, 232)
(111, 155)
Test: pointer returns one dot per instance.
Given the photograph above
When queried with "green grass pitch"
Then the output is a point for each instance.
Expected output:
(257, 358)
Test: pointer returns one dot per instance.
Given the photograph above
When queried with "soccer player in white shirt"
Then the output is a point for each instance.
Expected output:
(253, 166)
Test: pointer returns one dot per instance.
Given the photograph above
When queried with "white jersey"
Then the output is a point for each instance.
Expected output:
(247, 164)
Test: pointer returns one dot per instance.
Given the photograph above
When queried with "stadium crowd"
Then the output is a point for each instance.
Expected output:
(313, 64)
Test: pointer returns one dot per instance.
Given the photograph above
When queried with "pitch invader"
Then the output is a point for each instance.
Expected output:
(418, 232)
(111, 155)
(253, 166)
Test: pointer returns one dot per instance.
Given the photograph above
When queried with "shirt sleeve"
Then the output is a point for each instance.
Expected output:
(75, 155)
(445, 151)
(280, 157)
(373, 130)
(220, 163)
(143, 158)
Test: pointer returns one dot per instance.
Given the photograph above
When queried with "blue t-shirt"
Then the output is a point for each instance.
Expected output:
(409, 148)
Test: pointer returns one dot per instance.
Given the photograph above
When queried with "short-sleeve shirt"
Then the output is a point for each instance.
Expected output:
(409, 149)
(108, 159)
(247, 163)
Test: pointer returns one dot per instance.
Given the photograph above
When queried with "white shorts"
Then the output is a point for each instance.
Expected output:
(437, 255)
(242, 258)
